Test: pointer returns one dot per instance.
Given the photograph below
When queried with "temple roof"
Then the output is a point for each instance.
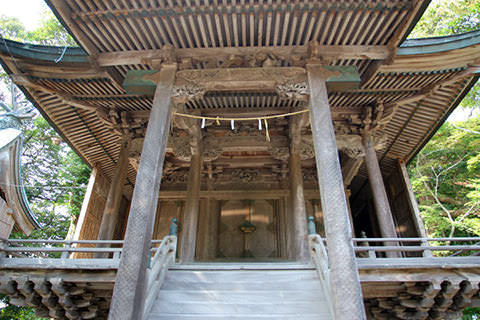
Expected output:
(79, 90)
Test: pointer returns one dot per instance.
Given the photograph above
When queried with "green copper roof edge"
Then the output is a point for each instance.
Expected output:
(439, 44)
(55, 54)
(78, 55)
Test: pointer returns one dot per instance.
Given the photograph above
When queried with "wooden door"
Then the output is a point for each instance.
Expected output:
(260, 243)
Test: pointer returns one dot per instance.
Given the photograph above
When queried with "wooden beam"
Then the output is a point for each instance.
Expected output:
(336, 52)
(22, 80)
(242, 79)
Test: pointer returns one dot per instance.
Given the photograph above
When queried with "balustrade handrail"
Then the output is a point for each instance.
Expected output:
(23, 249)
(51, 241)
(397, 245)
(163, 257)
(320, 259)
(459, 239)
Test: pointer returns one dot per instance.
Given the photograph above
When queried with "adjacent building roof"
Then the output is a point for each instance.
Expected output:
(11, 185)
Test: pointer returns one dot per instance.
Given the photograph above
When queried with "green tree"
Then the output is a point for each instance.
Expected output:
(446, 178)
(54, 176)
(446, 173)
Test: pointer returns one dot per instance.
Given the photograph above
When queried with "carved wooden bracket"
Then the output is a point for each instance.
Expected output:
(122, 123)
(289, 82)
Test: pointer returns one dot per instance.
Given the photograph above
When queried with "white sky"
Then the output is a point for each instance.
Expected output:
(28, 11)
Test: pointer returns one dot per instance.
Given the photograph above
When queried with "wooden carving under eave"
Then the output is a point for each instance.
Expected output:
(194, 83)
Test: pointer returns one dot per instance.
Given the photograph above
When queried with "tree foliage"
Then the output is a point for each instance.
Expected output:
(54, 176)
(50, 32)
(446, 178)
(446, 173)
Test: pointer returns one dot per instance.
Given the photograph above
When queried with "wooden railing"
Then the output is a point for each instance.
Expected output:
(372, 248)
(319, 258)
(57, 249)
(163, 257)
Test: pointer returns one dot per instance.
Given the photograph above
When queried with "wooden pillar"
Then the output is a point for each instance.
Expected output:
(345, 282)
(114, 198)
(192, 209)
(300, 233)
(412, 201)
(380, 199)
(299, 220)
(130, 284)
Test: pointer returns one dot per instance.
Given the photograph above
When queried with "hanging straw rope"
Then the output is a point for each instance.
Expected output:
(218, 119)
(232, 120)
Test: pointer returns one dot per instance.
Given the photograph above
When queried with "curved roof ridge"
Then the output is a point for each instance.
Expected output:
(439, 44)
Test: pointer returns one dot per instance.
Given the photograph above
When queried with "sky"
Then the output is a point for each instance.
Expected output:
(28, 11)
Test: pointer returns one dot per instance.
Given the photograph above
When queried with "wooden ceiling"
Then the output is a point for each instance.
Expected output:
(426, 77)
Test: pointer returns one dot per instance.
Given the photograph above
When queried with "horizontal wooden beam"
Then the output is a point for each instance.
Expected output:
(336, 52)
(274, 79)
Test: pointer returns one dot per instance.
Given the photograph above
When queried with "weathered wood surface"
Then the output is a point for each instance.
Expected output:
(192, 210)
(129, 291)
(380, 199)
(346, 295)
(388, 286)
(329, 52)
(241, 79)
(255, 294)
(111, 212)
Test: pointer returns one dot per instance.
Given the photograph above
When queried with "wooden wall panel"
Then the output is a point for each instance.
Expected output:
(401, 211)
(91, 213)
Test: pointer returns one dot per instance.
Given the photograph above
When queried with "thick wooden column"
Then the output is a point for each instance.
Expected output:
(114, 198)
(345, 282)
(192, 209)
(300, 245)
(380, 199)
(129, 291)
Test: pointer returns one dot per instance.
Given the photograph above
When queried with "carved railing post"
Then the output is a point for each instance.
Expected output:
(173, 230)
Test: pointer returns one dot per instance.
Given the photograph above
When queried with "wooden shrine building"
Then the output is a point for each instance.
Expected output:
(241, 118)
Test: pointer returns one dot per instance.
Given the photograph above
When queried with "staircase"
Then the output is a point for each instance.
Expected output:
(240, 291)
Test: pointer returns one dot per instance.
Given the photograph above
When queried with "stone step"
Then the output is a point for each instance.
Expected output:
(241, 296)
(247, 316)
(265, 307)
(242, 276)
